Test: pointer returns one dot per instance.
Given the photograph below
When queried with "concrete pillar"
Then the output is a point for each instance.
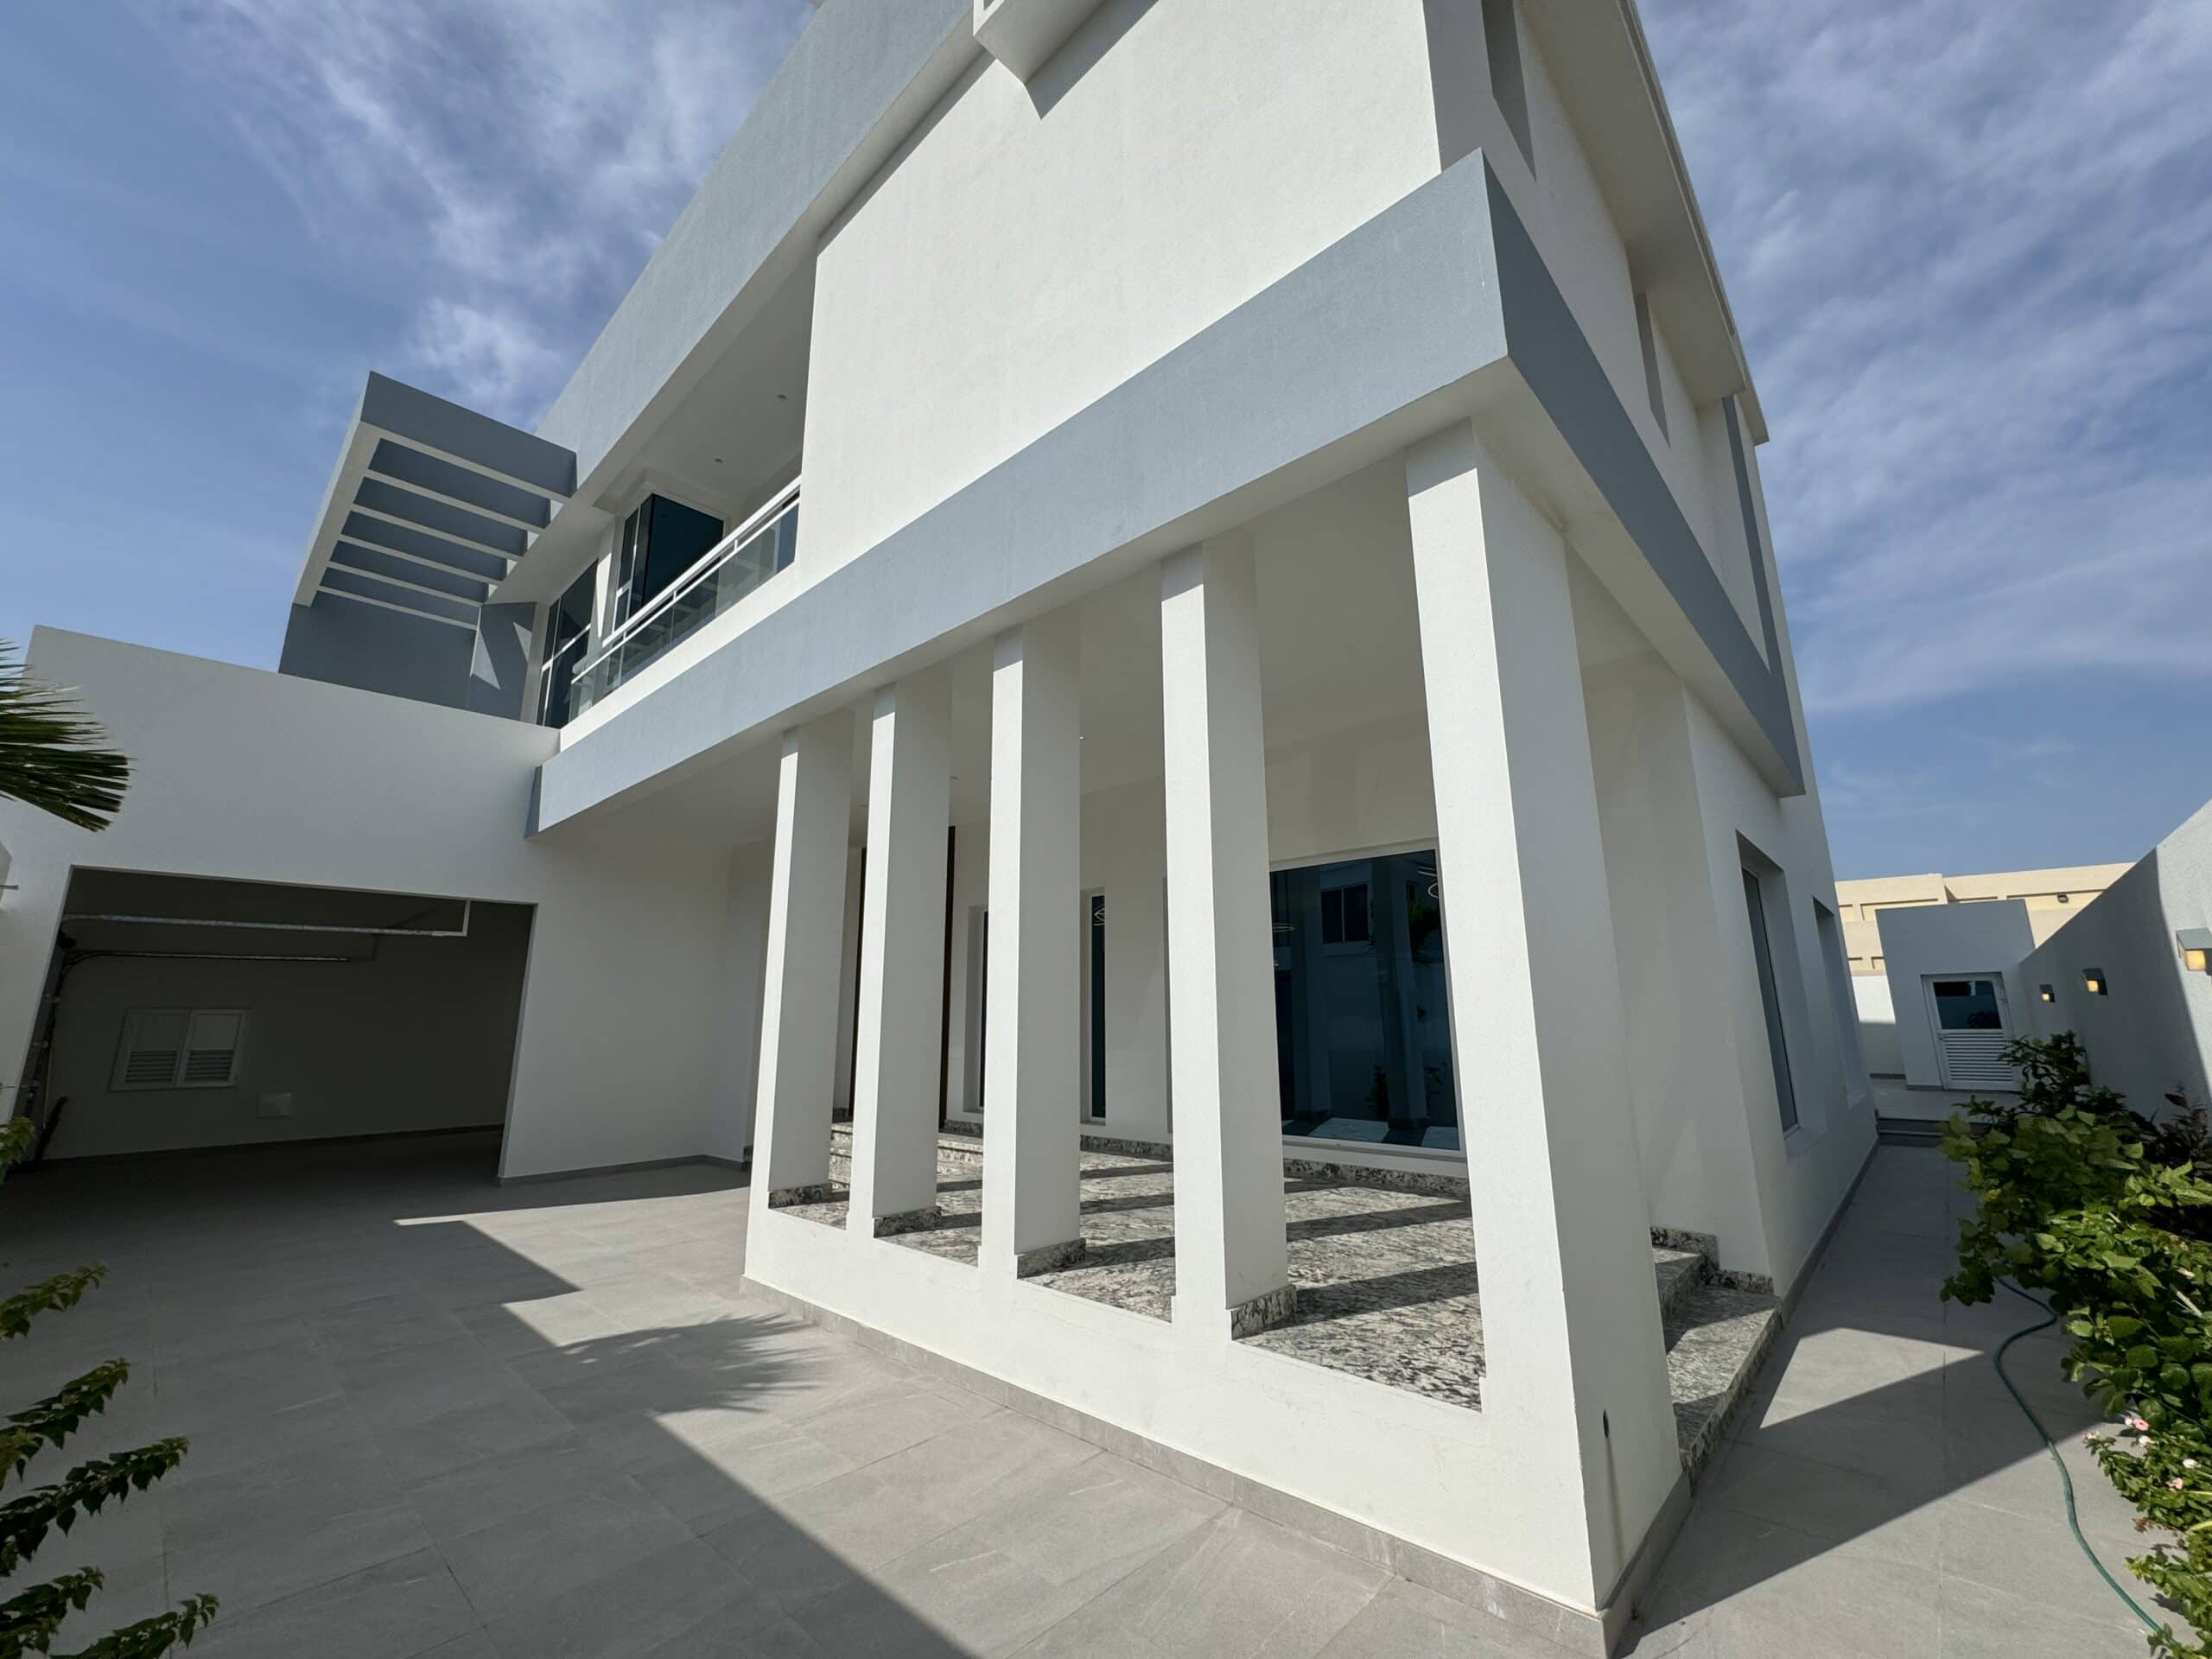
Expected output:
(1575, 1359)
(798, 1008)
(1231, 1264)
(902, 955)
(1030, 1083)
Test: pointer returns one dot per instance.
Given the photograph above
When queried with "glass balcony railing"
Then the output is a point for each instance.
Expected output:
(735, 566)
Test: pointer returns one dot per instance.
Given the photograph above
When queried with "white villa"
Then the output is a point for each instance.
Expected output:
(1146, 667)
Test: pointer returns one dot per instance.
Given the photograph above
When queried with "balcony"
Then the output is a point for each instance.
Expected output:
(736, 565)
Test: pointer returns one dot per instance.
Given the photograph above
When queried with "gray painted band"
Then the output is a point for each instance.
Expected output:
(1556, 359)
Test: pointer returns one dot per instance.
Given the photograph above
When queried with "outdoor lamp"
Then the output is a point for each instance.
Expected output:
(2195, 949)
(2092, 980)
(2047, 993)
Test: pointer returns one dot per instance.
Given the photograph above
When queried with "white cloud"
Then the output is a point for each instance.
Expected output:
(1971, 250)
(518, 163)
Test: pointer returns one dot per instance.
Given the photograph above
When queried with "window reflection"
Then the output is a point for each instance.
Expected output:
(1362, 1036)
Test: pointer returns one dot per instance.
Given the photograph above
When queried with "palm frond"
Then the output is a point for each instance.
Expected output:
(52, 756)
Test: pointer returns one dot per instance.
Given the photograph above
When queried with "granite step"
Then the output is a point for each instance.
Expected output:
(1717, 1333)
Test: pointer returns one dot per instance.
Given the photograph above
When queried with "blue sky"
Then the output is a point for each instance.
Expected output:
(1970, 249)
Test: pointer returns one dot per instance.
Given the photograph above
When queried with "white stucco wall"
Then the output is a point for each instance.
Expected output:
(1951, 939)
(1803, 1175)
(2152, 1033)
(1032, 247)
(253, 776)
(1878, 1023)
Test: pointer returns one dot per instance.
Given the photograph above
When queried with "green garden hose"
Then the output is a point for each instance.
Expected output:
(2050, 1446)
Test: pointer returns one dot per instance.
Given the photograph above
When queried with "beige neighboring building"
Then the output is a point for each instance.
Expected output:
(2053, 897)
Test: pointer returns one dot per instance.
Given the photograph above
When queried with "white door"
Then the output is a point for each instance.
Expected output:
(1972, 1026)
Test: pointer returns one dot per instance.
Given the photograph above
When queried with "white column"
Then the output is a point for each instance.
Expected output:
(1231, 1265)
(1575, 1363)
(798, 1008)
(902, 954)
(1030, 1099)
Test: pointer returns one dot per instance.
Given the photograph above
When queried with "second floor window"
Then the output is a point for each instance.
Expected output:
(660, 541)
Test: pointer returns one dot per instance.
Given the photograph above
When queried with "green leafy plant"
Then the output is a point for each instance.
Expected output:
(2109, 1214)
(52, 756)
(31, 1620)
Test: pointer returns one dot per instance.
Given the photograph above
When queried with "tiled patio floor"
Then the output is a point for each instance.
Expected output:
(433, 1416)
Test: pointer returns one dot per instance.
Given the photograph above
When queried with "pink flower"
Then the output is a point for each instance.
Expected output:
(2175, 1483)
(2135, 1422)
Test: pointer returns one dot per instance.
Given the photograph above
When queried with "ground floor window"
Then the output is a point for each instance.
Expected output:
(1362, 1036)
(1777, 1041)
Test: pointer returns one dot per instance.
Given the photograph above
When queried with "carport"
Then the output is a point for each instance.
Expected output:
(183, 1012)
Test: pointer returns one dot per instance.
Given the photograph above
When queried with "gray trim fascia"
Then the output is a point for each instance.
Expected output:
(463, 486)
(1366, 347)
(1556, 359)
(423, 545)
(432, 422)
(376, 495)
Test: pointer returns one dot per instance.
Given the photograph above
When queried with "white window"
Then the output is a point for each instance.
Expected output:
(179, 1048)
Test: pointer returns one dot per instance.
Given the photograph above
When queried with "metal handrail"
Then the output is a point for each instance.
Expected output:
(712, 560)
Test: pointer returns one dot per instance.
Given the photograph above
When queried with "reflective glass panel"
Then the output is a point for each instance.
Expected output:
(1362, 1034)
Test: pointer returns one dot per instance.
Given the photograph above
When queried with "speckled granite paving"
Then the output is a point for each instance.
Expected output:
(1385, 1277)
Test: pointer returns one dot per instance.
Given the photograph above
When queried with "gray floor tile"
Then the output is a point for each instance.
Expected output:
(818, 1542)
(888, 1416)
(496, 1489)
(395, 1611)
(633, 1608)
(1979, 1623)
(980, 1464)
(514, 1420)
(2033, 1560)
(734, 1467)
(954, 1595)
(249, 1563)
(1238, 1587)
(1089, 1524)
(529, 1559)
(1405, 1621)
(1843, 1506)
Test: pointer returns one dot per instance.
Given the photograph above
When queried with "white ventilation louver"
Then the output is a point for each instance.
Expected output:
(179, 1048)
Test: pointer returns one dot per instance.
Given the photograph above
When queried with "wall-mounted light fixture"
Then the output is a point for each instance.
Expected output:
(2094, 983)
(2195, 944)
(2046, 993)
